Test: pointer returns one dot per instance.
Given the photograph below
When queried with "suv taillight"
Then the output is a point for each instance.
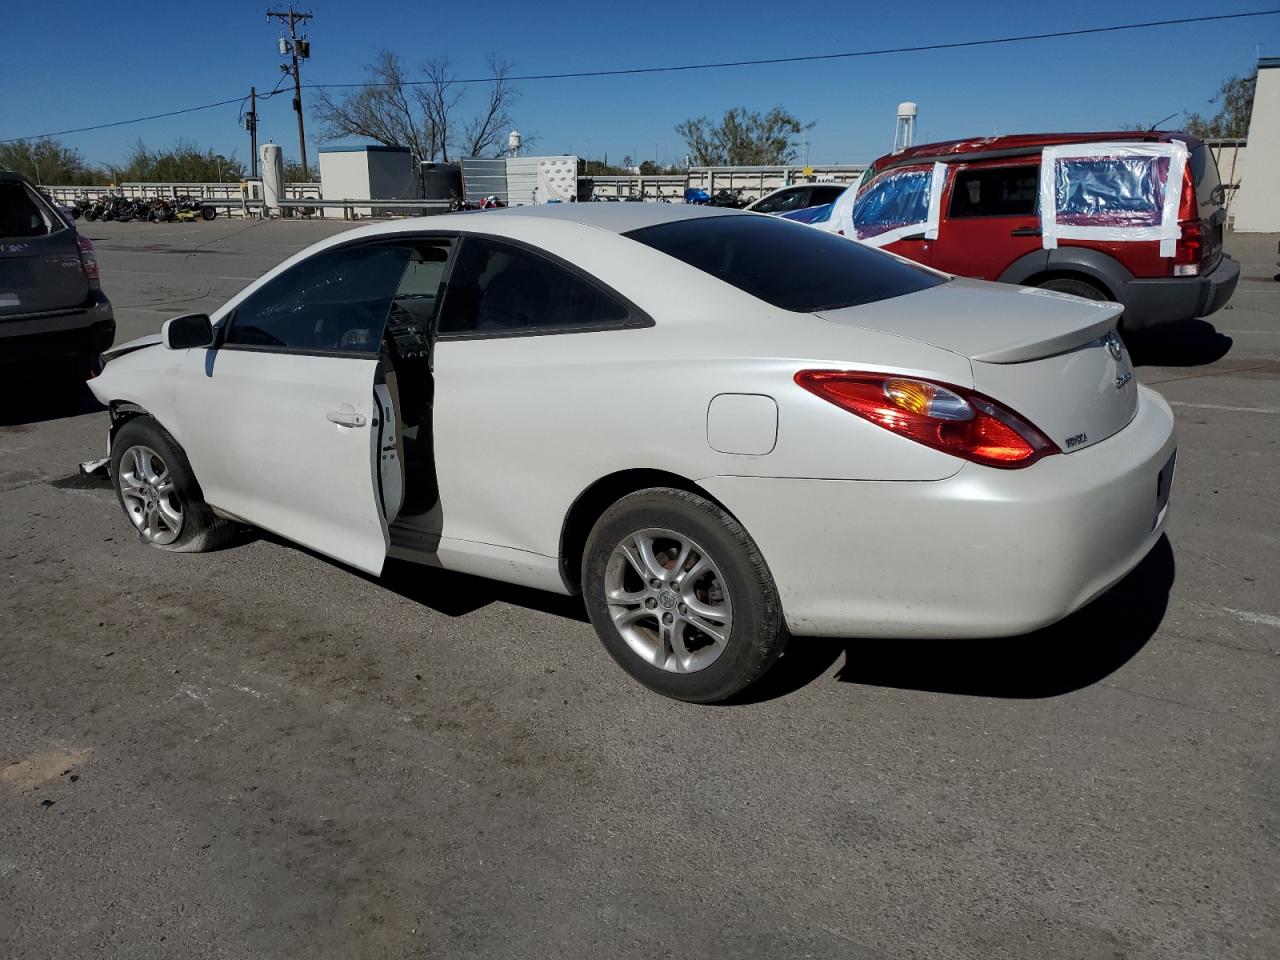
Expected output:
(88, 260)
(951, 419)
(1189, 250)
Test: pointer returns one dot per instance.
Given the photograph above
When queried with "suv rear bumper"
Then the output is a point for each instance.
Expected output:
(1152, 303)
(89, 329)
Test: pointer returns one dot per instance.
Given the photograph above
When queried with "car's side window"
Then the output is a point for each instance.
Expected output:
(825, 194)
(336, 301)
(995, 192)
(770, 204)
(499, 289)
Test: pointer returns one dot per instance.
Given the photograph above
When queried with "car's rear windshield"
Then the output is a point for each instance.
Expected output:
(787, 264)
(1204, 171)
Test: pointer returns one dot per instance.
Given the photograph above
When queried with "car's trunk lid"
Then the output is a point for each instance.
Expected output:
(40, 268)
(1052, 358)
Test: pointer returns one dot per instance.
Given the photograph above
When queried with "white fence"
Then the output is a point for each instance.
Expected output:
(228, 197)
(753, 182)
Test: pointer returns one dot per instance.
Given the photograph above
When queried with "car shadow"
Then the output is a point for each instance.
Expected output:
(1072, 654)
(445, 592)
(1190, 344)
(458, 594)
(30, 397)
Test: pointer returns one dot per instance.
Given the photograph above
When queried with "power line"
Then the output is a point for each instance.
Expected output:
(121, 123)
(633, 71)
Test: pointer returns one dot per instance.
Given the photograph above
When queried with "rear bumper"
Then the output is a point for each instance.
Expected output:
(1152, 303)
(985, 553)
(90, 329)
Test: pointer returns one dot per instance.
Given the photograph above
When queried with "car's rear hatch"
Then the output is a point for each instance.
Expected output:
(1054, 359)
(40, 268)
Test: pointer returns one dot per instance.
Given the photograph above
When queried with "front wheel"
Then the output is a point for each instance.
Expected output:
(681, 597)
(159, 493)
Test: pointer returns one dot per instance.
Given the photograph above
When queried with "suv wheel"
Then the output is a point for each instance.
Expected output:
(1078, 288)
(680, 596)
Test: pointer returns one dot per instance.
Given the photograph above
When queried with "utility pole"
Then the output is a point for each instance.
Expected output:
(296, 48)
(251, 124)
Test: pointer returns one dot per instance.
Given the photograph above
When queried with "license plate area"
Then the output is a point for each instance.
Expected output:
(1164, 484)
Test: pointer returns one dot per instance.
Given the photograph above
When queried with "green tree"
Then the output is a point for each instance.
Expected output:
(1232, 120)
(49, 162)
(184, 162)
(743, 138)
(293, 172)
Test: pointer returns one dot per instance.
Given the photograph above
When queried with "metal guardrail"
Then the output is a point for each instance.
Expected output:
(349, 206)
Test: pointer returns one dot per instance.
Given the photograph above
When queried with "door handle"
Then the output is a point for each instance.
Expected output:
(1025, 232)
(345, 418)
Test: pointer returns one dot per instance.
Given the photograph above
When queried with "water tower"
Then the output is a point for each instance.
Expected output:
(514, 140)
(904, 135)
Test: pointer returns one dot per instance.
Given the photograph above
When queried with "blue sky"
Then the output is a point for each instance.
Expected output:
(176, 60)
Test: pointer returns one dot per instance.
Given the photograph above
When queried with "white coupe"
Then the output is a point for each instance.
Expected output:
(722, 428)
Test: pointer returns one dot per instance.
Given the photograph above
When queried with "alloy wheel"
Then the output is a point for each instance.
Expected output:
(668, 600)
(150, 497)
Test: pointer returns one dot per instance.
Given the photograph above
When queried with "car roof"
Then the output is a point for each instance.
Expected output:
(617, 217)
(1013, 144)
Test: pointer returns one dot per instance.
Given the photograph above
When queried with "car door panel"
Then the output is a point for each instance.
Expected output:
(989, 220)
(288, 443)
(279, 420)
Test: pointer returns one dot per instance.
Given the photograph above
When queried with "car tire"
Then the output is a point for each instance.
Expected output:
(1077, 288)
(723, 575)
(154, 484)
(208, 213)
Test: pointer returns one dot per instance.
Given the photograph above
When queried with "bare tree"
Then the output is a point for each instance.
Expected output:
(379, 111)
(393, 109)
(437, 99)
(483, 134)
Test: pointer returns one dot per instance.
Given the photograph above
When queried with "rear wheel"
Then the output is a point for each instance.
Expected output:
(680, 596)
(208, 213)
(1078, 288)
(158, 492)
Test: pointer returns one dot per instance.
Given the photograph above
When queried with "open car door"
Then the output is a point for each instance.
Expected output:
(283, 421)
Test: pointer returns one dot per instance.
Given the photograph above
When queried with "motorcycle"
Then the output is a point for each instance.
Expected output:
(163, 210)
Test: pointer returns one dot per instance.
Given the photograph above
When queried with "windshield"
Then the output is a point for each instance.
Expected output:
(786, 264)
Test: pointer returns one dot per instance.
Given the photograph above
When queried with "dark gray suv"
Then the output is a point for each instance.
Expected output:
(52, 308)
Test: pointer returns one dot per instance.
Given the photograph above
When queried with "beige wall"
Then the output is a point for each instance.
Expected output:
(1257, 204)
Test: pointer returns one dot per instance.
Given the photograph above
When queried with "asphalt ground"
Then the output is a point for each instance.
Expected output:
(259, 753)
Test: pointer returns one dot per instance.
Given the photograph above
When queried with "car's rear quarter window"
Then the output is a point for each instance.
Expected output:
(786, 264)
(21, 215)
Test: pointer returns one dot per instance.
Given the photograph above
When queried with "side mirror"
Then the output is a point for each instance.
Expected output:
(187, 331)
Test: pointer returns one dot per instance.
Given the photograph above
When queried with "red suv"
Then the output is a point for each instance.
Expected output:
(1082, 213)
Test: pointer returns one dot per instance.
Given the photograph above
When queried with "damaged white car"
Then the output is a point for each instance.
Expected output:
(722, 428)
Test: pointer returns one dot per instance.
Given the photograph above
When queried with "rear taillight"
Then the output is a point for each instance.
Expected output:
(88, 260)
(1189, 250)
(947, 418)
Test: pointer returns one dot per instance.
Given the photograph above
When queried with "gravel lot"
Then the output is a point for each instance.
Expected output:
(258, 753)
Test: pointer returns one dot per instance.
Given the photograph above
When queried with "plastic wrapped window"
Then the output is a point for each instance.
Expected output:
(894, 201)
(1117, 191)
(1110, 191)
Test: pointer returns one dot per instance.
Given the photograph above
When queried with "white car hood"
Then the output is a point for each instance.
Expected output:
(989, 322)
